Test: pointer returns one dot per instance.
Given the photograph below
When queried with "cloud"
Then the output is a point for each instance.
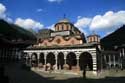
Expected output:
(110, 20)
(82, 22)
(107, 23)
(51, 27)
(29, 23)
(55, 1)
(39, 10)
(3, 13)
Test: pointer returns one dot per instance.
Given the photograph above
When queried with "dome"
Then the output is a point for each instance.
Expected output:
(64, 21)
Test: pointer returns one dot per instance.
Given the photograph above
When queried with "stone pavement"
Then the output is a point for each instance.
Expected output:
(17, 74)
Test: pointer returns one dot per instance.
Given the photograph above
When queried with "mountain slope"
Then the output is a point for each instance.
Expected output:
(116, 38)
(13, 34)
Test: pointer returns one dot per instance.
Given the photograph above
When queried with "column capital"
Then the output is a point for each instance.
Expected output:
(38, 53)
(65, 53)
(29, 53)
(56, 53)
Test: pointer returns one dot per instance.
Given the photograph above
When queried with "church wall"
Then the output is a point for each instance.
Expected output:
(59, 41)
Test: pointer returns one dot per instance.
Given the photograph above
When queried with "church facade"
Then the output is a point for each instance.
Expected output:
(64, 48)
(65, 34)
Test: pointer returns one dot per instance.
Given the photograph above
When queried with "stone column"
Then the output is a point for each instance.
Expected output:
(65, 54)
(26, 62)
(105, 59)
(64, 60)
(119, 59)
(77, 58)
(94, 58)
(114, 60)
(56, 54)
(78, 63)
(123, 52)
(45, 54)
(38, 57)
(109, 61)
(30, 62)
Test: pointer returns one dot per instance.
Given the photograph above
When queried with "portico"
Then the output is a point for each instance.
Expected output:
(59, 57)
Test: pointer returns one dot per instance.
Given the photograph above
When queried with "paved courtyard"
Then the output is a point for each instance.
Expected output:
(18, 75)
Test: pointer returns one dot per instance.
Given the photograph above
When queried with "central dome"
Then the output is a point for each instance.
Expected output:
(63, 25)
(64, 21)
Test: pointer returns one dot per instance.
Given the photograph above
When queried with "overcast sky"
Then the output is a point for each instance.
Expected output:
(99, 16)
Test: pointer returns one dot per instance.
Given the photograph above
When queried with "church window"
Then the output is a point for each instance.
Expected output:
(67, 27)
(94, 38)
(90, 39)
(58, 41)
(57, 28)
(62, 27)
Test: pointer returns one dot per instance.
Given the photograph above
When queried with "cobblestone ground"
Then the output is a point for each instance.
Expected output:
(19, 75)
(57, 75)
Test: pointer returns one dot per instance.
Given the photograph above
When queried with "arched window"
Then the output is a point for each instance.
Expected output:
(67, 27)
(57, 27)
(62, 27)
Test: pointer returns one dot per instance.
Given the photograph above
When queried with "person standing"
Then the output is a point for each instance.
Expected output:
(84, 71)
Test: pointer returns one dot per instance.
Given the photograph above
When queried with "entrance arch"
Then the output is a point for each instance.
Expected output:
(71, 60)
(85, 61)
(34, 60)
(41, 59)
(60, 60)
(50, 58)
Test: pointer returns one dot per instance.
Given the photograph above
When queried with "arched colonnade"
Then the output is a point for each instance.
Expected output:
(71, 59)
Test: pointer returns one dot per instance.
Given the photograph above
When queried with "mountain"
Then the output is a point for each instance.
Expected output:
(12, 34)
(117, 38)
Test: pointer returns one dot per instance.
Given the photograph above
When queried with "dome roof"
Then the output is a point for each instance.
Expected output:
(64, 21)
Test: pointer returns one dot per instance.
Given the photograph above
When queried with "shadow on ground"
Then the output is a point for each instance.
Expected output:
(17, 74)
(104, 80)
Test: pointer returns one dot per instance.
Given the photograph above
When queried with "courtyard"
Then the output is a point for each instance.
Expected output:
(17, 74)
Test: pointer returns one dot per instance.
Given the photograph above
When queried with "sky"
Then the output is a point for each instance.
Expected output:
(90, 16)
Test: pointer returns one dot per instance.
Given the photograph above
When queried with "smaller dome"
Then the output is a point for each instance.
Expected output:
(64, 21)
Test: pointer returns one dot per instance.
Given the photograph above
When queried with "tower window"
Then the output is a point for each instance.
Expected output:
(62, 27)
(57, 28)
(67, 27)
